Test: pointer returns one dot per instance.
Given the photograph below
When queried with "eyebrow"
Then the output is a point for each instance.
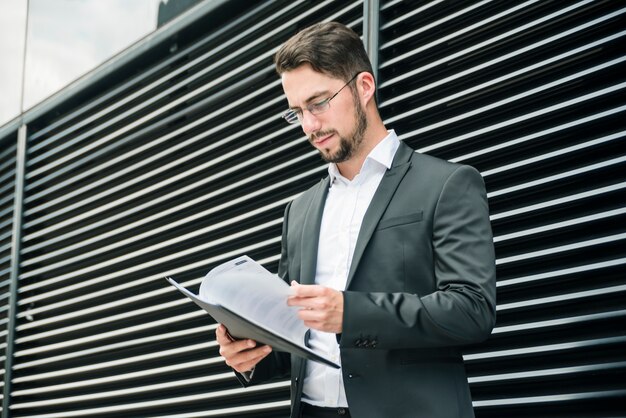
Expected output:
(314, 96)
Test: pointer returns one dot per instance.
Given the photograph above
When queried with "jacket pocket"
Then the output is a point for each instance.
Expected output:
(401, 220)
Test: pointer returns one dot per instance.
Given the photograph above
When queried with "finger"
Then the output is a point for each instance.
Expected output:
(319, 300)
(244, 361)
(262, 353)
(315, 316)
(314, 303)
(305, 302)
(308, 290)
(236, 358)
(220, 334)
(324, 326)
(234, 348)
(321, 320)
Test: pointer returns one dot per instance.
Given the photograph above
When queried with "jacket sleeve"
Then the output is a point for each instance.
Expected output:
(461, 310)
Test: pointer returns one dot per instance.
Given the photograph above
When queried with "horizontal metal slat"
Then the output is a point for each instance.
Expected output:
(544, 348)
(562, 248)
(547, 399)
(103, 348)
(559, 201)
(562, 272)
(114, 363)
(225, 412)
(559, 225)
(104, 336)
(534, 374)
(574, 296)
(127, 408)
(579, 319)
(570, 173)
(153, 372)
(114, 393)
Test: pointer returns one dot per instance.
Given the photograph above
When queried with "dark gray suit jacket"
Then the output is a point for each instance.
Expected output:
(421, 285)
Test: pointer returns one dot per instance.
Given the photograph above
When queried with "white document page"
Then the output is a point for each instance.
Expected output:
(247, 288)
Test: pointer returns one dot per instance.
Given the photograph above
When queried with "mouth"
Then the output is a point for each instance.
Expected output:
(323, 140)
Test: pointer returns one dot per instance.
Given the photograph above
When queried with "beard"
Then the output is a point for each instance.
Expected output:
(348, 146)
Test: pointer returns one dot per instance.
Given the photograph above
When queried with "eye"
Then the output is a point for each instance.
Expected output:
(319, 106)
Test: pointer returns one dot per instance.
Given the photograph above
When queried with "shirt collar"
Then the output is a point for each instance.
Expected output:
(382, 154)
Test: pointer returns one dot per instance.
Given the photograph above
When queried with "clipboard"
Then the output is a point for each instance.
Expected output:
(242, 328)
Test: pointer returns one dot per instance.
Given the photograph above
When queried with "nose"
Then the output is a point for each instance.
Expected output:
(310, 123)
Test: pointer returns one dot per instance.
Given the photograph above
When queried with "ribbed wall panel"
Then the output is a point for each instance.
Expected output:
(532, 94)
(188, 165)
(183, 162)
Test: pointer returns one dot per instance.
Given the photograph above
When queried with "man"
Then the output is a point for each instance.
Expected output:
(390, 257)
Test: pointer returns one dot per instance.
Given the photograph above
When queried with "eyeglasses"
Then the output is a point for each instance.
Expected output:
(293, 116)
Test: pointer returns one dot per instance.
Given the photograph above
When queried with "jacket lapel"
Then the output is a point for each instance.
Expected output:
(311, 232)
(380, 201)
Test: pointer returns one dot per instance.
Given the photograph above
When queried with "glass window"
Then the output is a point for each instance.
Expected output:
(65, 39)
(68, 38)
(12, 34)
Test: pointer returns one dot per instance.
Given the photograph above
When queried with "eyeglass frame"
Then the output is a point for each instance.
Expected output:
(292, 116)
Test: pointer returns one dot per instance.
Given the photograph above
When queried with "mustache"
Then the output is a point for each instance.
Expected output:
(320, 134)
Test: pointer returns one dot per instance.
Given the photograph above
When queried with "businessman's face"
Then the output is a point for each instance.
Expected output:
(337, 131)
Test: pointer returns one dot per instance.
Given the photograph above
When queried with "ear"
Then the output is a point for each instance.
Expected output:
(366, 87)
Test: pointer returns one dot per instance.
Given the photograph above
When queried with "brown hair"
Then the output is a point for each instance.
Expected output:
(330, 48)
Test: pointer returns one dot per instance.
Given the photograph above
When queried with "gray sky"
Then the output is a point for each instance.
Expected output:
(66, 39)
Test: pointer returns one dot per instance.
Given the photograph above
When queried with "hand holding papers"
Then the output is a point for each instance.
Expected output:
(252, 303)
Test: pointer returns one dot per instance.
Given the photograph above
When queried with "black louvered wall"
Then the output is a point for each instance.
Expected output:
(178, 160)
(532, 94)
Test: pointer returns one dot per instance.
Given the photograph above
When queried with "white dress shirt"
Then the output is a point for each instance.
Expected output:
(344, 209)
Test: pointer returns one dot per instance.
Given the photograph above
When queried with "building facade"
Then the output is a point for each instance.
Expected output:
(172, 158)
